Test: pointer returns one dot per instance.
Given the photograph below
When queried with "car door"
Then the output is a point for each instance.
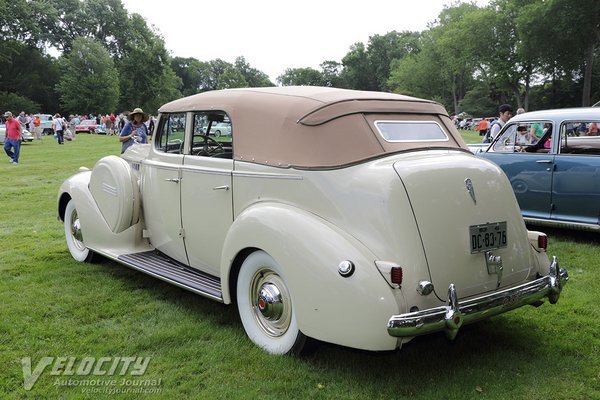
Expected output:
(206, 194)
(576, 180)
(161, 192)
(529, 167)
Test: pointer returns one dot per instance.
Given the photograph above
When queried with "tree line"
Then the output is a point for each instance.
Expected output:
(534, 54)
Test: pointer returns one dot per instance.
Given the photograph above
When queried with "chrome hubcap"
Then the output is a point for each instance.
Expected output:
(271, 302)
(76, 230)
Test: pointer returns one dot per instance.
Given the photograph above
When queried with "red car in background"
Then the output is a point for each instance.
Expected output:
(87, 125)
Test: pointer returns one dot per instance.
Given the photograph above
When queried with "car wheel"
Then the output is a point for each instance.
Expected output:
(266, 307)
(74, 236)
(217, 133)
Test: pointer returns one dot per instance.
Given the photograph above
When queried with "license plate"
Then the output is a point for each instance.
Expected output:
(486, 237)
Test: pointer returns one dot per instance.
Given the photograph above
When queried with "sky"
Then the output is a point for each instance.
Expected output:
(275, 35)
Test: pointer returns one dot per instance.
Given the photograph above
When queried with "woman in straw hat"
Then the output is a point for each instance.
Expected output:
(135, 130)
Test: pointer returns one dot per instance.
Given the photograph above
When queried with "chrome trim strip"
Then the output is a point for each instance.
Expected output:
(161, 165)
(562, 224)
(266, 175)
(450, 318)
(206, 170)
(217, 171)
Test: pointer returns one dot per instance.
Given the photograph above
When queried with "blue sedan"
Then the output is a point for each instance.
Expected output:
(552, 159)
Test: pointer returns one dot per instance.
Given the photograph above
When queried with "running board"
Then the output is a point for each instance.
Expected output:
(162, 267)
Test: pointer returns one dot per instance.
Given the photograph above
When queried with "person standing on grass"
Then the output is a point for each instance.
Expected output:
(122, 118)
(109, 125)
(505, 112)
(59, 127)
(113, 122)
(135, 130)
(23, 120)
(151, 124)
(12, 141)
(483, 127)
(37, 130)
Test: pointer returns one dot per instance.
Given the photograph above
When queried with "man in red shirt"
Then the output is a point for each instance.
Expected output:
(12, 141)
(483, 127)
(37, 130)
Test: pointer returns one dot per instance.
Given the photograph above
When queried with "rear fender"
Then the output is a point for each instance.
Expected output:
(350, 311)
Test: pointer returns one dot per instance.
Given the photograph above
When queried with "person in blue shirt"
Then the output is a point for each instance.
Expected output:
(135, 130)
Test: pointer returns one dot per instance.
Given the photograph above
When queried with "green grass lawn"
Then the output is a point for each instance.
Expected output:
(52, 306)
(470, 136)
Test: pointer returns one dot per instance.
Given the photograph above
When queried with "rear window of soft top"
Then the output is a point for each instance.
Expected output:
(411, 131)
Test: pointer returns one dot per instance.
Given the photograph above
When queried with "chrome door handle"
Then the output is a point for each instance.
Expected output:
(224, 187)
(544, 161)
(174, 180)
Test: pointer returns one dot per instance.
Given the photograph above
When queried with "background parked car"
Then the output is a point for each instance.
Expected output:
(100, 129)
(552, 159)
(221, 128)
(27, 136)
(478, 147)
(216, 128)
(45, 123)
(89, 126)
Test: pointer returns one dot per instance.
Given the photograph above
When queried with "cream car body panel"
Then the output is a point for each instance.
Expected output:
(422, 176)
(161, 175)
(321, 296)
(206, 202)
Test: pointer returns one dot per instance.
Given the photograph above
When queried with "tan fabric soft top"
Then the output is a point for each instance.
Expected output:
(314, 127)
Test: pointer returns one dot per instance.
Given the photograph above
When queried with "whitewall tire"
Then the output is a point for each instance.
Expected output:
(266, 307)
(74, 236)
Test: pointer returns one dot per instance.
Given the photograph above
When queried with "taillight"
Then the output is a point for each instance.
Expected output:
(538, 240)
(543, 242)
(396, 273)
(391, 272)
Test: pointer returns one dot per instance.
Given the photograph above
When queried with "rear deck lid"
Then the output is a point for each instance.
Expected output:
(464, 205)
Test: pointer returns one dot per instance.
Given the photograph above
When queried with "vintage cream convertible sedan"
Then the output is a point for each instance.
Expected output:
(355, 218)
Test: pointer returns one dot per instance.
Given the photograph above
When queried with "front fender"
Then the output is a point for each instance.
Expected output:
(350, 311)
(96, 233)
(93, 225)
(72, 188)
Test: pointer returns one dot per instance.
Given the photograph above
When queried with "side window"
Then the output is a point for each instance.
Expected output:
(580, 137)
(525, 137)
(171, 133)
(212, 135)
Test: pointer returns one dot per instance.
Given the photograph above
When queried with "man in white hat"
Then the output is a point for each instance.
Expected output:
(12, 141)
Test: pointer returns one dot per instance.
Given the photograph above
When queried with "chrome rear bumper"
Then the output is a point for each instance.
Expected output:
(449, 318)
